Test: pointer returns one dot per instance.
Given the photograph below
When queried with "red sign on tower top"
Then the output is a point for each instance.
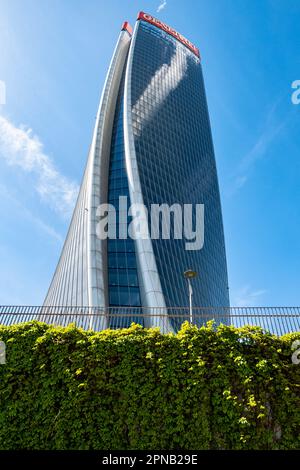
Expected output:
(126, 27)
(167, 29)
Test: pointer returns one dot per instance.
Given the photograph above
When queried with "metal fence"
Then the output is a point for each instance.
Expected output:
(277, 320)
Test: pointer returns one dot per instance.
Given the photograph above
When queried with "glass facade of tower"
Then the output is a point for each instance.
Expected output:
(176, 162)
(123, 287)
(152, 144)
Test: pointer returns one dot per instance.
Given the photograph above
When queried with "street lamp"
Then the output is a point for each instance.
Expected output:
(189, 274)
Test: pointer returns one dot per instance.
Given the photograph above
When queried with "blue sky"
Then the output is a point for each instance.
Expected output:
(54, 55)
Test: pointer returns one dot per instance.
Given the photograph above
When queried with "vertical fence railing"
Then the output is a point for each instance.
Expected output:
(277, 320)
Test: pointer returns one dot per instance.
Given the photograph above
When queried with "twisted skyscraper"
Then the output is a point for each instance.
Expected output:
(151, 143)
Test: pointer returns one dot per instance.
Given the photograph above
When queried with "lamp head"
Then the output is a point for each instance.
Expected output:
(190, 274)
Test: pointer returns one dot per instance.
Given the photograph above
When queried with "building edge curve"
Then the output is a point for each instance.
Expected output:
(80, 278)
(150, 286)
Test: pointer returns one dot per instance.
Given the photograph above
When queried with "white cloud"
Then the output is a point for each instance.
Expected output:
(161, 6)
(19, 147)
(259, 148)
(247, 297)
(27, 214)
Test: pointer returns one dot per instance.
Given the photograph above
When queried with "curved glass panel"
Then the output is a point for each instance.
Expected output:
(122, 269)
(176, 161)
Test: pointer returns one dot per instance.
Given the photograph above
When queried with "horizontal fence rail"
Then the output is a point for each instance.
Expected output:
(276, 320)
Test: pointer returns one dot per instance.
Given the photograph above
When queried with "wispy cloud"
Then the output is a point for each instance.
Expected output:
(21, 148)
(161, 6)
(28, 215)
(259, 148)
(247, 297)
(256, 152)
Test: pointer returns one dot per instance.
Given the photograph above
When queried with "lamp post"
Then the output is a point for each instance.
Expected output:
(189, 274)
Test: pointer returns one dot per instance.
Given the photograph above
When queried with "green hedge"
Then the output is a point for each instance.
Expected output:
(203, 388)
